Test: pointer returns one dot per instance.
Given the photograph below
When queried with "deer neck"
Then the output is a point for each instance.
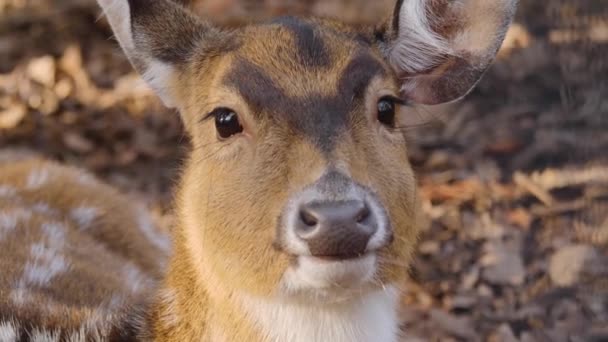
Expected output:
(371, 317)
(193, 305)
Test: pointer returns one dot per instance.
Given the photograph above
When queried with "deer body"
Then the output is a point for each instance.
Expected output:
(297, 207)
(78, 259)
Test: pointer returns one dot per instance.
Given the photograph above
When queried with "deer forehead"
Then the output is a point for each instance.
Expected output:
(306, 75)
(295, 58)
(313, 112)
(305, 45)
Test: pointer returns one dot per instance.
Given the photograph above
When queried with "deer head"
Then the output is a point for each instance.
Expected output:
(298, 186)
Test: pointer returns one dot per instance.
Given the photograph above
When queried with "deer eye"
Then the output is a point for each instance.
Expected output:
(386, 111)
(227, 122)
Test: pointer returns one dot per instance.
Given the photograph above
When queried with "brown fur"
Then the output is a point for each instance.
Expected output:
(216, 255)
(306, 92)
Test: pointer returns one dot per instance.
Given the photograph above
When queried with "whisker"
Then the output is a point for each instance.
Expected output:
(412, 127)
(432, 114)
(203, 146)
(211, 155)
(379, 283)
(399, 286)
(394, 262)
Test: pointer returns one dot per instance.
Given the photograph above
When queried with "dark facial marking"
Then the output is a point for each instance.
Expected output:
(357, 75)
(311, 48)
(317, 116)
(396, 16)
(334, 183)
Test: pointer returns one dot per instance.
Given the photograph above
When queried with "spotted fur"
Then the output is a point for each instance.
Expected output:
(76, 263)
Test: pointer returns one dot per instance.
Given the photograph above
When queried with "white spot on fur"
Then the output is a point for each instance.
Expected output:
(44, 336)
(9, 220)
(84, 216)
(86, 179)
(93, 328)
(55, 233)
(370, 318)
(44, 209)
(37, 178)
(19, 294)
(42, 271)
(134, 279)
(48, 262)
(417, 46)
(8, 332)
(116, 301)
(148, 228)
(79, 336)
(7, 191)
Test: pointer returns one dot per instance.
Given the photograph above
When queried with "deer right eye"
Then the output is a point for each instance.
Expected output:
(386, 111)
(227, 123)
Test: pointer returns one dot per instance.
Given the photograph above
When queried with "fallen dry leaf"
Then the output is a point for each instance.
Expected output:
(68, 93)
(568, 263)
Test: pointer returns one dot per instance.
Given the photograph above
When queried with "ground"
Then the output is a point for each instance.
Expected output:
(514, 178)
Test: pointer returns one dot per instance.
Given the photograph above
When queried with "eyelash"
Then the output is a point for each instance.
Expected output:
(396, 100)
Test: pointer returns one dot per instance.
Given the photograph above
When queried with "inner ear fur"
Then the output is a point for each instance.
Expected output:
(441, 48)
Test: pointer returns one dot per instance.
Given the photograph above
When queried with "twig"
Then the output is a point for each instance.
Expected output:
(559, 208)
(533, 188)
(552, 178)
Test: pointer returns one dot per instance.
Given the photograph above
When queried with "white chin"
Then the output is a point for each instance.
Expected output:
(329, 279)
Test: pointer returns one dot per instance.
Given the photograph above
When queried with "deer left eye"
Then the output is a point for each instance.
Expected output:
(227, 123)
(386, 111)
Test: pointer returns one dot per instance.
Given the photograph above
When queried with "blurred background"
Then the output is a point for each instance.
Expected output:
(514, 178)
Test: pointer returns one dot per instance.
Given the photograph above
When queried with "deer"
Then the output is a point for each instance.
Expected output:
(297, 207)
(79, 259)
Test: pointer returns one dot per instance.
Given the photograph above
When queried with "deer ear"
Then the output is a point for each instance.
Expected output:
(159, 37)
(441, 48)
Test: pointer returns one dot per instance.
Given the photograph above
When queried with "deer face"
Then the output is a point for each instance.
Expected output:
(298, 183)
(304, 181)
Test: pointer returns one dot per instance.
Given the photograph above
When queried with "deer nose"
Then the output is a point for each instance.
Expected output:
(336, 229)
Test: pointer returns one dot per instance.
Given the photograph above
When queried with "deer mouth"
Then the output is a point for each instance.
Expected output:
(338, 258)
(329, 276)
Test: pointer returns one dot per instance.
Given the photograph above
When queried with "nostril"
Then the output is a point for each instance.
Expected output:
(308, 219)
(337, 229)
(363, 214)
